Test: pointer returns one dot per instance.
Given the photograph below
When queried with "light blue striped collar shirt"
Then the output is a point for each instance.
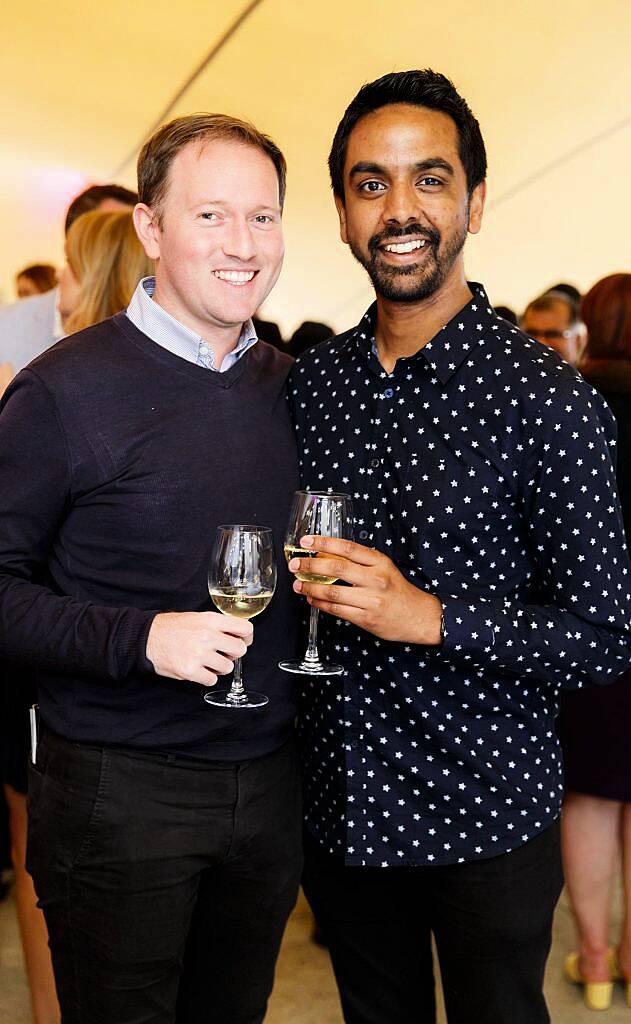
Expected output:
(165, 330)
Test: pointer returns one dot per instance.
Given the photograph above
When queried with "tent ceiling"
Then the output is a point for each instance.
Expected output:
(550, 84)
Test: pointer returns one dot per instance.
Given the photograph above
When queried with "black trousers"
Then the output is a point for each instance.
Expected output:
(491, 921)
(166, 884)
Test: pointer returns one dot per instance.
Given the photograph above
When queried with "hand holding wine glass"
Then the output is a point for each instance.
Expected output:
(241, 582)
(325, 515)
(196, 646)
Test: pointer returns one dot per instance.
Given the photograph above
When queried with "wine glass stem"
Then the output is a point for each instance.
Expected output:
(237, 693)
(312, 648)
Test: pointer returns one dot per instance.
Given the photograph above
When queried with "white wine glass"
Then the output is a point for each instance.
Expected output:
(314, 513)
(241, 582)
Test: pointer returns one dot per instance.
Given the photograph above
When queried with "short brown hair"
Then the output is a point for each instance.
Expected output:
(158, 153)
(606, 311)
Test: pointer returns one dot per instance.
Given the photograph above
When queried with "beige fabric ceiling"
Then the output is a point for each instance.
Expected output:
(81, 83)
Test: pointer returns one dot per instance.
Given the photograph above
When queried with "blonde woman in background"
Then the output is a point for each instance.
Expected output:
(105, 263)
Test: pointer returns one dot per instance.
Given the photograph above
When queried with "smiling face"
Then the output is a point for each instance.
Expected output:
(406, 210)
(218, 240)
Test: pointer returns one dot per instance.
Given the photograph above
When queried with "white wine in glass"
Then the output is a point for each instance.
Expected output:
(241, 582)
(237, 601)
(292, 551)
(318, 514)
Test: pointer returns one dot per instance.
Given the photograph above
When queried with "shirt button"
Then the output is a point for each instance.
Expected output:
(203, 350)
(388, 393)
(363, 534)
(375, 463)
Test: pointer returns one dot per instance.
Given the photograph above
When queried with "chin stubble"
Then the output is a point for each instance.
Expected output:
(390, 282)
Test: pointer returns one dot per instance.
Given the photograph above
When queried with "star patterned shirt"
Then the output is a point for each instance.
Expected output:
(483, 466)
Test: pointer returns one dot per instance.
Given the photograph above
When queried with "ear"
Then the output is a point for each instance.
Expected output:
(476, 208)
(341, 212)
(148, 230)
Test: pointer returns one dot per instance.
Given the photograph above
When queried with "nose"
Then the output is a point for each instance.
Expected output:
(238, 241)
(402, 205)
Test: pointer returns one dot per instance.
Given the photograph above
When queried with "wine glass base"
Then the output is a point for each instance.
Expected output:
(223, 699)
(311, 668)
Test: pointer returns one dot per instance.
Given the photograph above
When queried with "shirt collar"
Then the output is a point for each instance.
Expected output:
(161, 327)
(452, 344)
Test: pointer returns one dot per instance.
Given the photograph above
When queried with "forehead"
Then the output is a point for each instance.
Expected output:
(403, 133)
(222, 169)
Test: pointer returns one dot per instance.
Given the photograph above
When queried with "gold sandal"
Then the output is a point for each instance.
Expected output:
(596, 994)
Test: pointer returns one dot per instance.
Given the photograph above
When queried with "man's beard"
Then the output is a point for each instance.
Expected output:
(389, 281)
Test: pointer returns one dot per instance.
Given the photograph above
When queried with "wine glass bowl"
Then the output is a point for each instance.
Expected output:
(241, 582)
(315, 513)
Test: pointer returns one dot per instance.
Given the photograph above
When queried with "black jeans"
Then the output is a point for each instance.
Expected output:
(166, 883)
(491, 921)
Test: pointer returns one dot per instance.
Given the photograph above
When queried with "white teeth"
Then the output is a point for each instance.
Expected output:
(234, 276)
(405, 246)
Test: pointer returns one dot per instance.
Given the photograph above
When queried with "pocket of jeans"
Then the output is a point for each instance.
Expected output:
(65, 808)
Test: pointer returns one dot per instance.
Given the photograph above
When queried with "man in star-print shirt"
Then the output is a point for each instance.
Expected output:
(489, 569)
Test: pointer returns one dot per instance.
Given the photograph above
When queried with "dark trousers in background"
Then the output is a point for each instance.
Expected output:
(491, 921)
(166, 883)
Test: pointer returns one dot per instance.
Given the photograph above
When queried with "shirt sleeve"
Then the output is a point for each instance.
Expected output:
(577, 630)
(36, 624)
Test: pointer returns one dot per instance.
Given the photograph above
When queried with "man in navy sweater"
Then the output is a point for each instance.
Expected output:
(155, 819)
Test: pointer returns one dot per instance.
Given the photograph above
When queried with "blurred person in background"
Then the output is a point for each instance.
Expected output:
(105, 262)
(17, 693)
(308, 335)
(35, 280)
(29, 326)
(267, 330)
(568, 289)
(553, 319)
(574, 295)
(508, 314)
(595, 724)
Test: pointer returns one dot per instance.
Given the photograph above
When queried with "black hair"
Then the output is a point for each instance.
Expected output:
(569, 289)
(547, 300)
(422, 89)
(507, 313)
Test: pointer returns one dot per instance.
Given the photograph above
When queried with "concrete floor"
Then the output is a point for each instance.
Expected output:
(305, 991)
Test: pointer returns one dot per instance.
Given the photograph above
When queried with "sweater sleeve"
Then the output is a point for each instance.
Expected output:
(37, 625)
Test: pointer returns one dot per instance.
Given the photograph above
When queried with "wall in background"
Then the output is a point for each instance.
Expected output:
(550, 84)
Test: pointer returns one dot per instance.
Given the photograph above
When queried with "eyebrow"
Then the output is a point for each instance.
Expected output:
(264, 207)
(433, 163)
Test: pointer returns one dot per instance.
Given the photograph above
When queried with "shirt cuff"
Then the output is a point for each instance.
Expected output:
(468, 633)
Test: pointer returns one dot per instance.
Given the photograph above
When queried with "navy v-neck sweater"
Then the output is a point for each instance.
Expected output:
(118, 460)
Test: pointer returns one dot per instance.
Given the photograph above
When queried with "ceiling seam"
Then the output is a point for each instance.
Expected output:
(232, 29)
(559, 161)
